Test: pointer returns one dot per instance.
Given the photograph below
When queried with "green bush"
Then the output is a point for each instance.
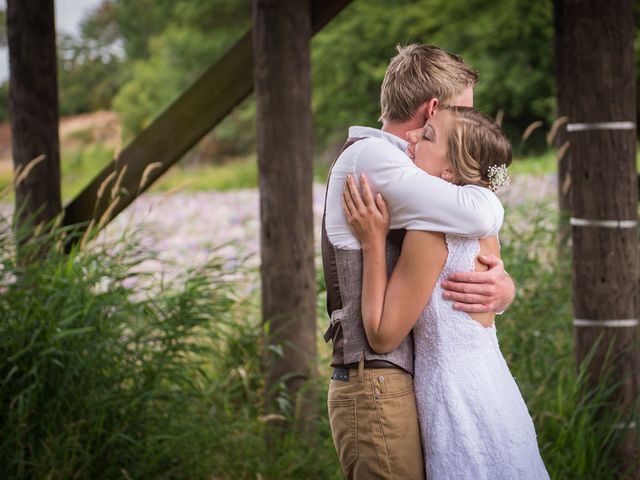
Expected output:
(108, 372)
(95, 384)
(575, 426)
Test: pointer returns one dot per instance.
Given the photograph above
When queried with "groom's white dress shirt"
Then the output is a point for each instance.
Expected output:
(416, 200)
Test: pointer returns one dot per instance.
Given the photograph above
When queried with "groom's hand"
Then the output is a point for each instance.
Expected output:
(474, 292)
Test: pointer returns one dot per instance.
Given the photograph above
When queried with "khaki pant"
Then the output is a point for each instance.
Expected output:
(374, 424)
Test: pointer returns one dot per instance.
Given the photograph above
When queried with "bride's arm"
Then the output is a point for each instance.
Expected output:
(389, 311)
(409, 288)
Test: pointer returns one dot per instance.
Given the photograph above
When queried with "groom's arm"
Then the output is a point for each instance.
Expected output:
(489, 291)
(418, 201)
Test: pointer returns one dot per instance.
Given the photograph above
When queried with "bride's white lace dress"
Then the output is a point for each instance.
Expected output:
(473, 420)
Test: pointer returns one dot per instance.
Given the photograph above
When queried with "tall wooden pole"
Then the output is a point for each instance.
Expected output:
(33, 104)
(602, 132)
(282, 32)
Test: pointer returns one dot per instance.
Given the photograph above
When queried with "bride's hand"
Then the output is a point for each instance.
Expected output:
(369, 218)
(413, 137)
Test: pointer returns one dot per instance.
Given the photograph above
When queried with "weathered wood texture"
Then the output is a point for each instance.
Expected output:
(599, 72)
(199, 109)
(282, 34)
(33, 106)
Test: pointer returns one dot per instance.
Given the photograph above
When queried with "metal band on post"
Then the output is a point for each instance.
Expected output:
(585, 222)
(620, 323)
(625, 426)
(581, 127)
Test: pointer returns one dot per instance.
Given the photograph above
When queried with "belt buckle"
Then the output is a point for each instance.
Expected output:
(340, 374)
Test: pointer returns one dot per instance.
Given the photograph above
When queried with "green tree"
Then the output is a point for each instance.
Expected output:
(508, 41)
(197, 34)
(137, 56)
(135, 21)
(89, 75)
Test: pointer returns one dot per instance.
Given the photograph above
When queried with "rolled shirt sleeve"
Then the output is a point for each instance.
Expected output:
(419, 201)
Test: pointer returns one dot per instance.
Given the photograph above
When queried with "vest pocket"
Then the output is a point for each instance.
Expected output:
(344, 430)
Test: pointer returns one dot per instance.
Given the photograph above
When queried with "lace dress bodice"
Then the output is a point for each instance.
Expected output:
(474, 422)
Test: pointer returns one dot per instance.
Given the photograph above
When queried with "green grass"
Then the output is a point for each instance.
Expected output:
(545, 163)
(575, 430)
(535, 164)
(78, 167)
(98, 382)
(81, 164)
(234, 175)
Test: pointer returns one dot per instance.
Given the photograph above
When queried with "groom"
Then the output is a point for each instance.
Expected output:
(372, 409)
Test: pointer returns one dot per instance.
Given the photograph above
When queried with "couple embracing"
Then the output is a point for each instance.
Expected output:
(410, 251)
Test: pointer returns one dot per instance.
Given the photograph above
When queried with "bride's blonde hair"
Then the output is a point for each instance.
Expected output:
(476, 143)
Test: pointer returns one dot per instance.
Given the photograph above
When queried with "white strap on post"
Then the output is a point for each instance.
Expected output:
(625, 426)
(585, 222)
(581, 127)
(620, 323)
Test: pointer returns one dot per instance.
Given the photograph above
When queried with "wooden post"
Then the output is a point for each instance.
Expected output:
(282, 32)
(602, 113)
(33, 104)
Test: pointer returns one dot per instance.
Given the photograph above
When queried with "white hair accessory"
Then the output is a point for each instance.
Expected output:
(498, 177)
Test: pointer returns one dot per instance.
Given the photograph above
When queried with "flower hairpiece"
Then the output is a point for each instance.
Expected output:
(498, 177)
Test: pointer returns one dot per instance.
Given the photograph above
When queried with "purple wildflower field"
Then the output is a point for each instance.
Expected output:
(185, 229)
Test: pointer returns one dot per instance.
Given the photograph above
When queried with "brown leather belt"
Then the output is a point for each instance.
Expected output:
(375, 364)
(341, 372)
(369, 364)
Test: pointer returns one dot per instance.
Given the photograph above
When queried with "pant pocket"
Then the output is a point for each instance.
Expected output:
(399, 423)
(392, 384)
(344, 429)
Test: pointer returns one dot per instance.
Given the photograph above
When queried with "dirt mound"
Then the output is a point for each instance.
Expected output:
(77, 130)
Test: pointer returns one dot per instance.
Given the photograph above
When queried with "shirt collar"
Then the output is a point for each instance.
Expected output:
(368, 132)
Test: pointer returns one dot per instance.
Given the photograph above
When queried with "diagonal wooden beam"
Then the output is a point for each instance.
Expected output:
(189, 118)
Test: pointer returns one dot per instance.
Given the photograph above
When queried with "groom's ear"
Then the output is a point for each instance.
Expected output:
(429, 108)
(425, 111)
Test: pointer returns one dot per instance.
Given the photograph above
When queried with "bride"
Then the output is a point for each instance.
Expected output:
(473, 421)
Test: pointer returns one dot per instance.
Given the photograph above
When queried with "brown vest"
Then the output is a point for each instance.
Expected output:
(343, 278)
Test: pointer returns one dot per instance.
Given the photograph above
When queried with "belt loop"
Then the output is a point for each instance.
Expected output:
(361, 368)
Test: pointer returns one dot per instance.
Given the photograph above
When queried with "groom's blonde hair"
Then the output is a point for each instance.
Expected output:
(419, 73)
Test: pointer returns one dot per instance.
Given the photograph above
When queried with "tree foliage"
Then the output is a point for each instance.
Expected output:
(193, 36)
(137, 56)
(510, 42)
(89, 74)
